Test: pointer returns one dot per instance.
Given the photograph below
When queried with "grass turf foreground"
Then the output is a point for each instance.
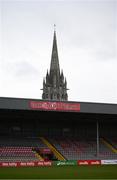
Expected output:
(61, 172)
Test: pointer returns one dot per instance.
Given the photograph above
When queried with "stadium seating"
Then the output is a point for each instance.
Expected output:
(74, 148)
(19, 149)
(21, 142)
(17, 154)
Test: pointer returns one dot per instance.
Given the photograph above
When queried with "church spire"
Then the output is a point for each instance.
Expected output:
(54, 85)
(54, 66)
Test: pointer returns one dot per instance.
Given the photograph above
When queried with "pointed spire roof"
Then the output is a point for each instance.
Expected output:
(54, 66)
(54, 84)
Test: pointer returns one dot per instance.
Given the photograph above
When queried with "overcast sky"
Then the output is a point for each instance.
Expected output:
(87, 46)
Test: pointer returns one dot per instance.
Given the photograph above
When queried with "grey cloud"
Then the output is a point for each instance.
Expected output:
(22, 69)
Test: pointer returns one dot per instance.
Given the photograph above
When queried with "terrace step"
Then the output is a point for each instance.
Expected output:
(109, 145)
(53, 149)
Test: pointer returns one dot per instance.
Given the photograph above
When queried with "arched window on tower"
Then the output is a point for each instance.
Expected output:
(46, 96)
(58, 96)
(51, 96)
(43, 96)
(66, 96)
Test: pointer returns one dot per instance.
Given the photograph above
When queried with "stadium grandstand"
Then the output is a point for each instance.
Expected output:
(42, 130)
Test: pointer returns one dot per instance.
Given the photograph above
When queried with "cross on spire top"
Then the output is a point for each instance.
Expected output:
(54, 27)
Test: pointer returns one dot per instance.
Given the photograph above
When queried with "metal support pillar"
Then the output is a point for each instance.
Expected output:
(97, 138)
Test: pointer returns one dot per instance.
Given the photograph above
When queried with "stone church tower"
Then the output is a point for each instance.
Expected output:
(55, 85)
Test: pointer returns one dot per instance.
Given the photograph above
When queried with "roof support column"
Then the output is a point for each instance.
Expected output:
(97, 127)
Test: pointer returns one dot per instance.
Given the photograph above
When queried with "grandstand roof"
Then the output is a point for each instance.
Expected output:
(65, 106)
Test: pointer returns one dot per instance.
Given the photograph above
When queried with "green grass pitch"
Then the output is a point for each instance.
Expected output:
(61, 172)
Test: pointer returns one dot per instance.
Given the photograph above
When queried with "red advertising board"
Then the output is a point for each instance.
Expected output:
(56, 106)
(89, 162)
(25, 164)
